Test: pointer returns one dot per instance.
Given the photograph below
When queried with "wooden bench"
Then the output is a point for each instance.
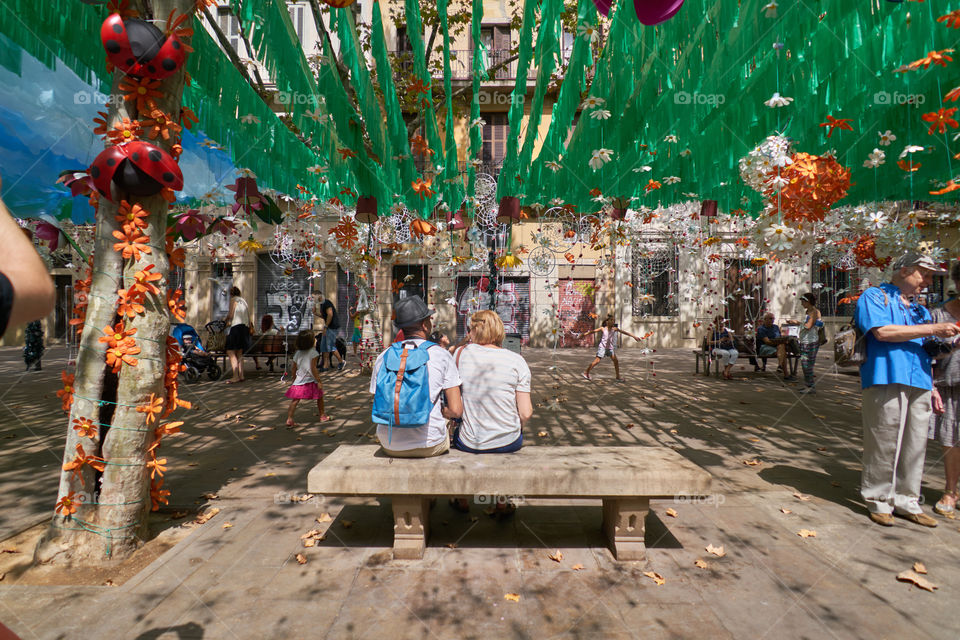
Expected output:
(624, 478)
(276, 346)
(745, 349)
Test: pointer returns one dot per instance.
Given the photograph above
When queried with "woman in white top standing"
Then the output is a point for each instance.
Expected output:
(495, 389)
(607, 346)
(238, 337)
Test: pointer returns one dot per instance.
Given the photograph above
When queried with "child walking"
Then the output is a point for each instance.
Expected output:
(607, 346)
(306, 379)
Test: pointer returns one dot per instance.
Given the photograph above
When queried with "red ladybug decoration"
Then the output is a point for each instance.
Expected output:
(137, 168)
(138, 48)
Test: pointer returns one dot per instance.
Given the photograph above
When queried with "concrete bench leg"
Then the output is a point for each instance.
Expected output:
(623, 524)
(411, 525)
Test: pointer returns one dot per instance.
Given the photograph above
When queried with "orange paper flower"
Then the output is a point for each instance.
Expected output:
(66, 394)
(125, 131)
(422, 187)
(940, 119)
(952, 19)
(143, 281)
(122, 354)
(67, 505)
(952, 95)
(651, 185)
(834, 123)
(939, 58)
(159, 124)
(176, 306)
(347, 153)
(101, 122)
(143, 92)
(158, 495)
(948, 188)
(129, 303)
(116, 335)
(420, 228)
(152, 408)
(79, 460)
(132, 217)
(156, 467)
(85, 427)
(131, 245)
(419, 146)
(346, 233)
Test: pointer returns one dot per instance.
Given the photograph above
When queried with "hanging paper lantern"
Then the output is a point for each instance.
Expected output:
(339, 4)
(509, 211)
(651, 12)
(138, 48)
(620, 206)
(137, 168)
(367, 209)
(79, 182)
(708, 209)
(248, 195)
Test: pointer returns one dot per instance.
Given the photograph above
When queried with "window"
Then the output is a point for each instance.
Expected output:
(231, 29)
(403, 42)
(654, 279)
(495, 133)
(834, 285)
(220, 290)
(566, 46)
(496, 40)
(743, 290)
(296, 17)
(409, 280)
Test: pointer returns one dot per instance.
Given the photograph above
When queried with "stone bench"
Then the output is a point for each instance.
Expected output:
(624, 478)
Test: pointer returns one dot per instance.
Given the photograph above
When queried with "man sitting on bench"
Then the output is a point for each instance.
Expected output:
(771, 343)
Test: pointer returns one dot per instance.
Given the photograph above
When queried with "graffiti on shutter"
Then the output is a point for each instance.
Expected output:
(513, 303)
(285, 296)
(578, 313)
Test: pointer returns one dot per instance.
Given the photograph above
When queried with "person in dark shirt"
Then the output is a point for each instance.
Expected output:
(771, 343)
(327, 344)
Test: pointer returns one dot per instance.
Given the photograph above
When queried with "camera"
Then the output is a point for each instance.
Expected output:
(937, 347)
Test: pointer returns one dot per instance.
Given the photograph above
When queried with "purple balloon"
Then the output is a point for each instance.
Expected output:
(651, 12)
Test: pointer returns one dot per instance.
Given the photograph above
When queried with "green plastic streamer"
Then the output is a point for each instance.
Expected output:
(547, 54)
(452, 182)
(476, 131)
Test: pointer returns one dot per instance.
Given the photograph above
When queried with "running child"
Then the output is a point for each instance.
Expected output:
(306, 379)
(607, 345)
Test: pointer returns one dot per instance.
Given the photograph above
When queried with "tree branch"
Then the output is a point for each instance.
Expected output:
(230, 51)
(433, 37)
(246, 43)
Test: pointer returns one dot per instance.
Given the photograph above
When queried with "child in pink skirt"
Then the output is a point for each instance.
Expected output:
(306, 379)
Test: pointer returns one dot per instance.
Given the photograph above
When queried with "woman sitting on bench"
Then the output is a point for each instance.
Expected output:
(722, 347)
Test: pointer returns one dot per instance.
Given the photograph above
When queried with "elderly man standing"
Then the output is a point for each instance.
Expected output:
(897, 383)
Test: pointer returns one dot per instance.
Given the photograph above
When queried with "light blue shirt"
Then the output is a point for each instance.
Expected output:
(903, 363)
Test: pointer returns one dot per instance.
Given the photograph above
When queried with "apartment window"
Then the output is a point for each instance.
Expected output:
(231, 28)
(403, 41)
(496, 40)
(495, 133)
(654, 279)
(743, 289)
(835, 285)
(566, 46)
(296, 17)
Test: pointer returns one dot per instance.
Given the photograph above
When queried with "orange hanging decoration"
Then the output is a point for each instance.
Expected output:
(814, 184)
(420, 228)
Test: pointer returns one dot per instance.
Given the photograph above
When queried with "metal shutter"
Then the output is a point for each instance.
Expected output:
(513, 303)
(346, 299)
(578, 314)
(284, 296)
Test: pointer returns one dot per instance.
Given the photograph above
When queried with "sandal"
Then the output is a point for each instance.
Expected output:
(324, 418)
(945, 508)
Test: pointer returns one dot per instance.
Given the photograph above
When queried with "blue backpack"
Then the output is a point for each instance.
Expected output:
(402, 398)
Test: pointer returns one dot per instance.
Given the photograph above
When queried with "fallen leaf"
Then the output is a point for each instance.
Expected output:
(751, 463)
(206, 515)
(701, 563)
(301, 559)
(512, 597)
(542, 434)
(807, 533)
(912, 576)
(656, 577)
(671, 513)
(673, 431)
(10, 550)
(346, 524)
(576, 567)
(253, 437)
(629, 425)
(452, 545)
(919, 567)
(304, 497)
(324, 517)
(310, 534)
(309, 542)
(717, 551)
(211, 496)
(557, 557)
(800, 496)
(785, 510)
(269, 474)
(834, 484)
(226, 525)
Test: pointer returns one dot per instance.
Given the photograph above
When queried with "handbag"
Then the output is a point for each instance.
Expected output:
(821, 336)
(849, 344)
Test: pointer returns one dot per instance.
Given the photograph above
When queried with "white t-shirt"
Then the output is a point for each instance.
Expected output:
(241, 313)
(443, 375)
(304, 371)
(491, 378)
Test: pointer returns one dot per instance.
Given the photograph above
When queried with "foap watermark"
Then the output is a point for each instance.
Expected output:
(697, 98)
(497, 97)
(715, 499)
(498, 498)
(885, 97)
(95, 98)
(298, 498)
(296, 98)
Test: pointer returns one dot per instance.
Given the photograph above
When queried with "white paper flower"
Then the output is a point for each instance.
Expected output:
(249, 119)
(770, 9)
(875, 159)
(642, 169)
(671, 180)
(478, 122)
(314, 115)
(670, 138)
(886, 138)
(600, 114)
(317, 169)
(246, 173)
(556, 202)
(592, 102)
(877, 219)
(553, 165)
(646, 298)
(585, 30)
(778, 182)
(778, 100)
(779, 237)
(600, 157)
(910, 148)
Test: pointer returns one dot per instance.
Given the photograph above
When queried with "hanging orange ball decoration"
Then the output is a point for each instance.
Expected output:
(814, 183)
(421, 228)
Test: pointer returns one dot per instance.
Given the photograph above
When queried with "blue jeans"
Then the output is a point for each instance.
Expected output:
(509, 448)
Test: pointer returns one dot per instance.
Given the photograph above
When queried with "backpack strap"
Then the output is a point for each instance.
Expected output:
(396, 391)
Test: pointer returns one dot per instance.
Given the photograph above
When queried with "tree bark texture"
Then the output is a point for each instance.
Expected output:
(113, 521)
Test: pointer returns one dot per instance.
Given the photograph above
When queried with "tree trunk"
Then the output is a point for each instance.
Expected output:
(112, 522)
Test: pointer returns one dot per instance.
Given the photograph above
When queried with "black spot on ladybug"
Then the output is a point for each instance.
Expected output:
(136, 156)
(118, 28)
(95, 171)
(167, 176)
(111, 162)
(112, 46)
(154, 155)
(176, 44)
(131, 62)
(168, 64)
(151, 68)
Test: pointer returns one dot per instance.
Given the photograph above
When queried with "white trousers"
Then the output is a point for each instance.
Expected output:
(895, 422)
(725, 356)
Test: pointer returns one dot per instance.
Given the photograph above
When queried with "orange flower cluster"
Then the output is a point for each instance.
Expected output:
(346, 233)
(176, 305)
(422, 187)
(143, 92)
(66, 394)
(125, 131)
(81, 289)
(160, 124)
(174, 367)
(815, 183)
(865, 251)
(121, 347)
(940, 119)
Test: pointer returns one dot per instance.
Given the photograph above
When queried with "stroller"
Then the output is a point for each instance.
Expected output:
(194, 357)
